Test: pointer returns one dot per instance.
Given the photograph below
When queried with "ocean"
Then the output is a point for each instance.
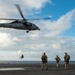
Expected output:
(32, 62)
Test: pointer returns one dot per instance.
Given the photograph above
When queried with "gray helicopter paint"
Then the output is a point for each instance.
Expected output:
(20, 26)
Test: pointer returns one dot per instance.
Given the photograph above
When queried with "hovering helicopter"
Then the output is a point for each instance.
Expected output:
(21, 24)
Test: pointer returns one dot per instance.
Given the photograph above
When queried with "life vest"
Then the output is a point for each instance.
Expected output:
(57, 59)
(44, 58)
(68, 57)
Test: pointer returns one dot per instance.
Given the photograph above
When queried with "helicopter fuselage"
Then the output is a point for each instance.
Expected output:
(19, 25)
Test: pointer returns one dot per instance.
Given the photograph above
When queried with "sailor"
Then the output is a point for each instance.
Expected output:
(57, 60)
(66, 60)
(44, 61)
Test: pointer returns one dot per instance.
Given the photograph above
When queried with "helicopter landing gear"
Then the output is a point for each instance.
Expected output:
(27, 31)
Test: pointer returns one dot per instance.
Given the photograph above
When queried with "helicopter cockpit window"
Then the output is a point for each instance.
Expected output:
(15, 21)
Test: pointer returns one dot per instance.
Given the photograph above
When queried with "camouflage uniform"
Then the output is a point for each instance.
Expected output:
(57, 60)
(66, 60)
(44, 62)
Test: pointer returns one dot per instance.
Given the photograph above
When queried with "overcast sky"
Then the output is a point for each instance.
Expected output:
(57, 35)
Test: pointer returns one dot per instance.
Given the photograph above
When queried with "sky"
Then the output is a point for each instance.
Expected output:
(57, 35)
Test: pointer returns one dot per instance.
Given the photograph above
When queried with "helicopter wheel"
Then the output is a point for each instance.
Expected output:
(27, 31)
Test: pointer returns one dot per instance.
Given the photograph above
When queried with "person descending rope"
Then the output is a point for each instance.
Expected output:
(22, 56)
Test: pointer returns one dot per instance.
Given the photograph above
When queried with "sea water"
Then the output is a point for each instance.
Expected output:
(31, 62)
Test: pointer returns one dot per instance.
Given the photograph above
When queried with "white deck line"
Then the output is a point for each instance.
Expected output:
(9, 69)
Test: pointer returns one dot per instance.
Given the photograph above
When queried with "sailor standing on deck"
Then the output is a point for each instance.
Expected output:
(44, 61)
(66, 60)
(57, 60)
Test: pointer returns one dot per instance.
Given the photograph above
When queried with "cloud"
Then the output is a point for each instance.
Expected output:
(56, 46)
(28, 7)
(33, 49)
(7, 40)
(38, 4)
(57, 27)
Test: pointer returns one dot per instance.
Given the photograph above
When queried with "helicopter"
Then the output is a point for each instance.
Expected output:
(21, 24)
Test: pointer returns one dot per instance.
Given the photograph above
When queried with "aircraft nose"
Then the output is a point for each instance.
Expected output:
(38, 28)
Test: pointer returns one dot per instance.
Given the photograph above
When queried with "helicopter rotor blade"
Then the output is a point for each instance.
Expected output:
(9, 19)
(19, 9)
(45, 18)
